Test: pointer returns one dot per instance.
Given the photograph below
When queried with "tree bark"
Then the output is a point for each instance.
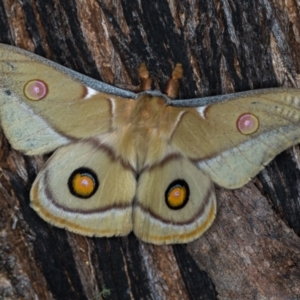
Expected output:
(252, 250)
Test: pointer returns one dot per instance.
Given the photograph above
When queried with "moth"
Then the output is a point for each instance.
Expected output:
(136, 162)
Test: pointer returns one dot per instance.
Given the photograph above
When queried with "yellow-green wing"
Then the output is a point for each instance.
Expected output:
(234, 139)
(84, 189)
(44, 105)
(175, 202)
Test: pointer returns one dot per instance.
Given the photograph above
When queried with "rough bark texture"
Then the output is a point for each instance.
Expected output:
(252, 251)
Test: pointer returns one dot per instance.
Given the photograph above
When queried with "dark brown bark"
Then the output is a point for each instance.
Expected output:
(252, 250)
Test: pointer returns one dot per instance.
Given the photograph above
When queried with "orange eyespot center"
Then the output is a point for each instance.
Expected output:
(83, 183)
(177, 194)
(35, 90)
(247, 124)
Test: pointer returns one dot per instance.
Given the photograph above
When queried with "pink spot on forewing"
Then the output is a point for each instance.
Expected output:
(247, 123)
(35, 90)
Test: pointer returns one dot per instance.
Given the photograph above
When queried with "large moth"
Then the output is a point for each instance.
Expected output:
(136, 162)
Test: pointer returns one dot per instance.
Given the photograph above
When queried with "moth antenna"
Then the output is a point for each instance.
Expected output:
(173, 84)
(146, 81)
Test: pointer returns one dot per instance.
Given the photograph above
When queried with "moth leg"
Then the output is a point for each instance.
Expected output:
(173, 84)
(146, 81)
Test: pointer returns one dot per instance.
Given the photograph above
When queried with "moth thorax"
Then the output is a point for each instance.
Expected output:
(148, 111)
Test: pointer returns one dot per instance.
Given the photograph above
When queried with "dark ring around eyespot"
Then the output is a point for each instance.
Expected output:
(90, 175)
(181, 184)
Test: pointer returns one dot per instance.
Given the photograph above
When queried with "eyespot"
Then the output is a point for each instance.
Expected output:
(35, 90)
(247, 124)
(177, 194)
(83, 183)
